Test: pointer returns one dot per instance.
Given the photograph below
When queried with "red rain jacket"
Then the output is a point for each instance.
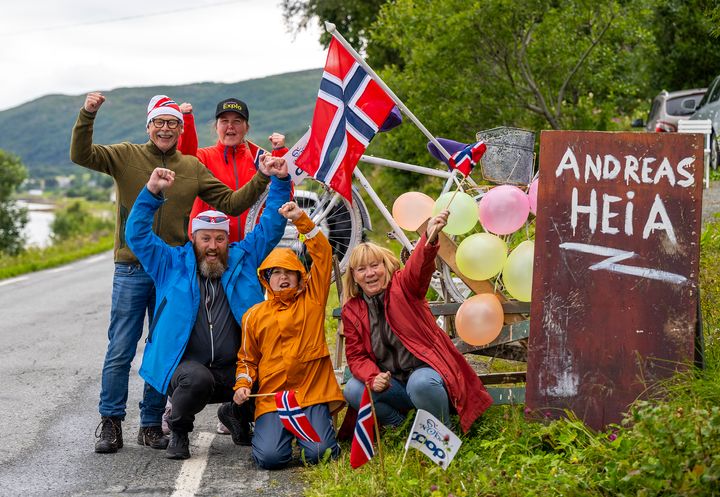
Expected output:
(234, 166)
(410, 318)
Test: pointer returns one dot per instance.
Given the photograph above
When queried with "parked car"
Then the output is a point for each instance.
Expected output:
(709, 108)
(668, 108)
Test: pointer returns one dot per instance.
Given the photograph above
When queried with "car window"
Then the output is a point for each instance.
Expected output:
(682, 106)
(654, 109)
(712, 94)
(715, 94)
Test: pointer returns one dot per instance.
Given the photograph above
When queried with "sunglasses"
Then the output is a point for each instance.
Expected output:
(212, 219)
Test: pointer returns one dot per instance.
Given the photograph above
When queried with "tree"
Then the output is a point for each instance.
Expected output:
(466, 66)
(351, 18)
(12, 217)
(689, 56)
(76, 219)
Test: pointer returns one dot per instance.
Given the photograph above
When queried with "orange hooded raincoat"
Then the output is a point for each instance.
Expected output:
(283, 342)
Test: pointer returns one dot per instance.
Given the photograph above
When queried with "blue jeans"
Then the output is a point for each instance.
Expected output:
(133, 296)
(271, 442)
(424, 389)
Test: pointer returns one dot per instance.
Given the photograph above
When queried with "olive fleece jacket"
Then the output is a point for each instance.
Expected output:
(131, 165)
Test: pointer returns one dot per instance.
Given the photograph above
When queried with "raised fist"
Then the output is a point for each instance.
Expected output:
(160, 180)
(277, 140)
(93, 101)
(291, 211)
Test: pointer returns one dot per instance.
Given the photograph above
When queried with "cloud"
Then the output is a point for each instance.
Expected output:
(67, 47)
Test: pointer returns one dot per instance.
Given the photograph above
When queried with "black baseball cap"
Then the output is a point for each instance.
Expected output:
(233, 105)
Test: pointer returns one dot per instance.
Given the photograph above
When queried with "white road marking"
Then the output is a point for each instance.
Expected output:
(59, 269)
(615, 255)
(13, 280)
(96, 258)
(191, 473)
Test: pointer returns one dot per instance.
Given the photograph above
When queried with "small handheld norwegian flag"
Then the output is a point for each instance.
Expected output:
(293, 418)
(362, 450)
(463, 157)
(466, 159)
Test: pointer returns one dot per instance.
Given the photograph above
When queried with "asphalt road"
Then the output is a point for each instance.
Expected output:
(53, 334)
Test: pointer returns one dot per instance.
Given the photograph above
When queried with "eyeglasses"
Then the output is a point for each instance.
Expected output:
(171, 123)
(212, 219)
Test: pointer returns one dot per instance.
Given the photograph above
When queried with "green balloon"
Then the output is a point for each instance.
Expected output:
(481, 256)
(463, 212)
(518, 270)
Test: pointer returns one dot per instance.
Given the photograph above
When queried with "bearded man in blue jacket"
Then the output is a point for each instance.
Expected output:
(203, 288)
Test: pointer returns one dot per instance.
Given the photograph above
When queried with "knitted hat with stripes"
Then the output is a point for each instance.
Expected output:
(163, 105)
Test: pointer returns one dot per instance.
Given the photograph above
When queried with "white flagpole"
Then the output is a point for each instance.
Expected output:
(330, 27)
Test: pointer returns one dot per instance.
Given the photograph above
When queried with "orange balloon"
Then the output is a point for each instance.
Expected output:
(480, 319)
(411, 209)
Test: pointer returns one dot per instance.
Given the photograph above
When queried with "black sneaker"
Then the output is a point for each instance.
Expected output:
(153, 436)
(109, 440)
(239, 428)
(179, 446)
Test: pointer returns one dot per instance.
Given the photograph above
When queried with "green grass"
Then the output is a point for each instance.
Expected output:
(36, 259)
(80, 229)
(668, 445)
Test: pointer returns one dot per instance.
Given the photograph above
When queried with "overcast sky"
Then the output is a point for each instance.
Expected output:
(75, 46)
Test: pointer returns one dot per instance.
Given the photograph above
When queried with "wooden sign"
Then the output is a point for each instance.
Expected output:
(615, 281)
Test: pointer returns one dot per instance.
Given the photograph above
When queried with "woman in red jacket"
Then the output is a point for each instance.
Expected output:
(393, 344)
(233, 159)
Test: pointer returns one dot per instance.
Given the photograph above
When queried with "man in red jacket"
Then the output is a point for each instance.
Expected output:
(233, 159)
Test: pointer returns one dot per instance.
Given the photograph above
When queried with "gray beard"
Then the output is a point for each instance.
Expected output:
(211, 270)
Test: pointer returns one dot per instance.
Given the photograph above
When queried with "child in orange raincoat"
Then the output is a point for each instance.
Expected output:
(284, 348)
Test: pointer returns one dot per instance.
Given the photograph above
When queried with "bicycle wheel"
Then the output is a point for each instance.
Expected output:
(339, 220)
(446, 279)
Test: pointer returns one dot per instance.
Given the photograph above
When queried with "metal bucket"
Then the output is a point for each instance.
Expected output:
(509, 158)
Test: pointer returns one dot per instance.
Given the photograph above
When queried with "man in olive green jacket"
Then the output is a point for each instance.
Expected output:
(133, 294)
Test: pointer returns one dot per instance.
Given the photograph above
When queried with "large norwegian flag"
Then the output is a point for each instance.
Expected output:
(293, 418)
(361, 450)
(350, 109)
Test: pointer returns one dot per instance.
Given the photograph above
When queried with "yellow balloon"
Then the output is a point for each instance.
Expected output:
(479, 319)
(481, 256)
(411, 209)
(518, 270)
(463, 212)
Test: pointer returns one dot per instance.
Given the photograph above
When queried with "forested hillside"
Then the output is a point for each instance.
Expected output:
(39, 131)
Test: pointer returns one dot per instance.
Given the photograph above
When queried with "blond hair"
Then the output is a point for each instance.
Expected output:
(362, 255)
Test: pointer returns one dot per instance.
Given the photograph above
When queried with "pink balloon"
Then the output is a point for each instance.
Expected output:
(411, 209)
(504, 209)
(479, 319)
(532, 196)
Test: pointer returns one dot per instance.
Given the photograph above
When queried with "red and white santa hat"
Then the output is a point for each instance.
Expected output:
(163, 105)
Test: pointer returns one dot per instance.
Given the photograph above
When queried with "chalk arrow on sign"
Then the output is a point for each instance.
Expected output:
(614, 256)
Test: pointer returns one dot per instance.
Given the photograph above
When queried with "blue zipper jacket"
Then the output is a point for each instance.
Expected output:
(174, 271)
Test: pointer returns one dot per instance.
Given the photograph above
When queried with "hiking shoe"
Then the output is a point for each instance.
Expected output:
(152, 436)
(179, 446)
(109, 439)
(239, 428)
(221, 429)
